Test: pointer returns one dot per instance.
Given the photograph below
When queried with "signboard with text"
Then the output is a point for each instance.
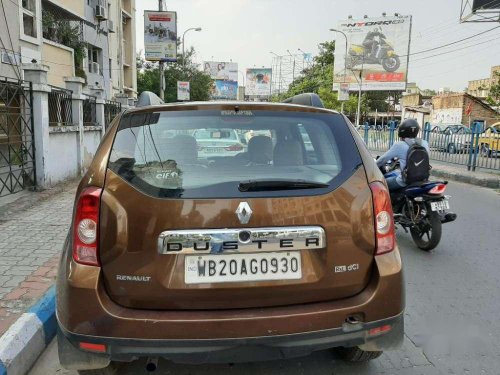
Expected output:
(258, 82)
(183, 91)
(225, 76)
(378, 48)
(160, 36)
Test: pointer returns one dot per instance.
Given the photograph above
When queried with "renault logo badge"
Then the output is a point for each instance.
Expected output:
(244, 212)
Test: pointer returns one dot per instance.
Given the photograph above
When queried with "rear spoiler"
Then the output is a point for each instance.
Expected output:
(148, 98)
(309, 99)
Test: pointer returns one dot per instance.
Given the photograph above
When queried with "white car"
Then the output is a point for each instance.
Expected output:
(218, 142)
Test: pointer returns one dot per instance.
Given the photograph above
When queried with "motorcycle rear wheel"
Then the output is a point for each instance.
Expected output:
(428, 234)
(391, 64)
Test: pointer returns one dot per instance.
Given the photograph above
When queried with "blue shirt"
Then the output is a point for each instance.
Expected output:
(400, 150)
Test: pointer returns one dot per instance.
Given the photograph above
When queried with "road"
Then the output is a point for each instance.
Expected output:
(452, 314)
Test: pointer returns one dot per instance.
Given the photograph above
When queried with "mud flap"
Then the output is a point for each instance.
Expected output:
(392, 340)
(72, 358)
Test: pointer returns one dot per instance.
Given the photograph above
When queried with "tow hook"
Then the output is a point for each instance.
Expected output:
(151, 364)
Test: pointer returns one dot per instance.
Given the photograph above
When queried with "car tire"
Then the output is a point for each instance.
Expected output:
(452, 149)
(112, 369)
(356, 355)
(485, 151)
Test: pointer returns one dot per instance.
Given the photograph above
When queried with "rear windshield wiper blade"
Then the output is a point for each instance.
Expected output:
(266, 185)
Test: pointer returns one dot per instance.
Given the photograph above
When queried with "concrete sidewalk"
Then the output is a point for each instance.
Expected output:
(32, 232)
(456, 172)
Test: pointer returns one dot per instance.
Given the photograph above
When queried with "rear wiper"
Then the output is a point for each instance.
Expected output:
(266, 185)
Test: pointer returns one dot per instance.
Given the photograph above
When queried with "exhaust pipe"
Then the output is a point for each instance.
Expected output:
(450, 216)
(151, 364)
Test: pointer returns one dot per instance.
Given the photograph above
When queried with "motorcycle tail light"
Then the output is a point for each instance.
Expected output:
(438, 189)
(85, 227)
(384, 221)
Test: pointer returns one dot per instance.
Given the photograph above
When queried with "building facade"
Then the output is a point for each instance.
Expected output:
(480, 88)
(92, 39)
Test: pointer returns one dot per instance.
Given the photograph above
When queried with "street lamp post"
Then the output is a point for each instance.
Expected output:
(360, 83)
(345, 62)
(183, 43)
(279, 77)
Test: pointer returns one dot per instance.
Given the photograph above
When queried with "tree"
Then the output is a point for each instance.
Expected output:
(319, 79)
(494, 96)
(148, 78)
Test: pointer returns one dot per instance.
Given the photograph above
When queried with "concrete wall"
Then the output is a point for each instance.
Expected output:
(91, 140)
(74, 6)
(62, 161)
(59, 60)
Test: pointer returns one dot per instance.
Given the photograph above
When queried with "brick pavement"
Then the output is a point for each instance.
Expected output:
(32, 232)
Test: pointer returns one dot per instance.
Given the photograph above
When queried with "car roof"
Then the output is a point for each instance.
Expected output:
(269, 106)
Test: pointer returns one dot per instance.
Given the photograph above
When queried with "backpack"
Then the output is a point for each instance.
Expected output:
(417, 163)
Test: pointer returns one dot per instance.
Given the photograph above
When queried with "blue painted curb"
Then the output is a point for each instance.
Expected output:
(45, 310)
(27, 338)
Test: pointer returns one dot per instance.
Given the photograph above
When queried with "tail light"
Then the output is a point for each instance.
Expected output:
(234, 148)
(86, 227)
(438, 189)
(384, 221)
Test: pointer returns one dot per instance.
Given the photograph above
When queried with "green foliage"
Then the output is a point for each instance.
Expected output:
(494, 97)
(148, 78)
(61, 31)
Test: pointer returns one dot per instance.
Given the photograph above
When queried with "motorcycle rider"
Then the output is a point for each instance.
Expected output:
(407, 132)
(371, 44)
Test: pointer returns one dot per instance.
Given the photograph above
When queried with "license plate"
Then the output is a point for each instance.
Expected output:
(440, 206)
(242, 267)
(214, 150)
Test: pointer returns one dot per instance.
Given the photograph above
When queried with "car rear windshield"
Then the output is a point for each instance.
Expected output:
(228, 154)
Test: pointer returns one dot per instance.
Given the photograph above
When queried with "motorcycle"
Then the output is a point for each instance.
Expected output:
(420, 207)
(385, 56)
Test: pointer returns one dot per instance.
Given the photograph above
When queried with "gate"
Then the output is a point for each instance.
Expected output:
(17, 146)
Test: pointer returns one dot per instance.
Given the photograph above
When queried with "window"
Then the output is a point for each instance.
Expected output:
(29, 18)
(94, 57)
(207, 153)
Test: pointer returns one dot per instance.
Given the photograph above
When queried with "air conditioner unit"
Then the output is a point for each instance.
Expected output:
(95, 68)
(111, 26)
(99, 12)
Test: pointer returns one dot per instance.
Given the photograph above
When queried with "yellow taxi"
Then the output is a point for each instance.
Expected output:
(489, 141)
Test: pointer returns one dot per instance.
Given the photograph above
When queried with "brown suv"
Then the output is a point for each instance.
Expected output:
(282, 249)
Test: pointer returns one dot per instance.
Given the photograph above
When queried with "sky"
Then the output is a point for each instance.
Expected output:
(246, 31)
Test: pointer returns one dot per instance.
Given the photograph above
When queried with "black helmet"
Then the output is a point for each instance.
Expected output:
(409, 128)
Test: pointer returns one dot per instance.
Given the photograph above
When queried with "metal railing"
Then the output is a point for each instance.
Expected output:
(89, 111)
(60, 108)
(474, 147)
(111, 109)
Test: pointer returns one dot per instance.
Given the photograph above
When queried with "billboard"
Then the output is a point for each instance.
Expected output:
(485, 4)
(183, 91)
(258, 82)
(376, 56)
(225, 75)
(160, 36)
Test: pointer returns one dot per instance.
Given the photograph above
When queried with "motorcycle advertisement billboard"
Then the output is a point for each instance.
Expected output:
(258, 82)
(160, 36)
(225, 76)
(183, 91)
(376, 56)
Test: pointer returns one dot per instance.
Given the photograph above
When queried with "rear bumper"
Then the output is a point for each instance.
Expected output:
(246, 349)
(86, 313)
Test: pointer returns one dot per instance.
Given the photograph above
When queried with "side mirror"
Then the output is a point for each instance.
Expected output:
(243, 140)
(377, 157)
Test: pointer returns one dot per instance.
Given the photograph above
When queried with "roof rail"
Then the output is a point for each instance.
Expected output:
(148, 98)
(309, 99)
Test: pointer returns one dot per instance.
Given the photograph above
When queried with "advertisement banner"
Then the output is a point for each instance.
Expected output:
(183, 91)
(160, 36)
(343, 92)
(225, 75)
(258, 82)
(376, 56)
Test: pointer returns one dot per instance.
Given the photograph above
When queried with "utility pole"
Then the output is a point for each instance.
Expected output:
(162, 71)
(345, 63)
(358, 114)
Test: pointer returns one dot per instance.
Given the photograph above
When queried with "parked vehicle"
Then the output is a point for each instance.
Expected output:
(489, 141)
(453, 138)
(218, 142)
(421, 207)
(264, 254)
